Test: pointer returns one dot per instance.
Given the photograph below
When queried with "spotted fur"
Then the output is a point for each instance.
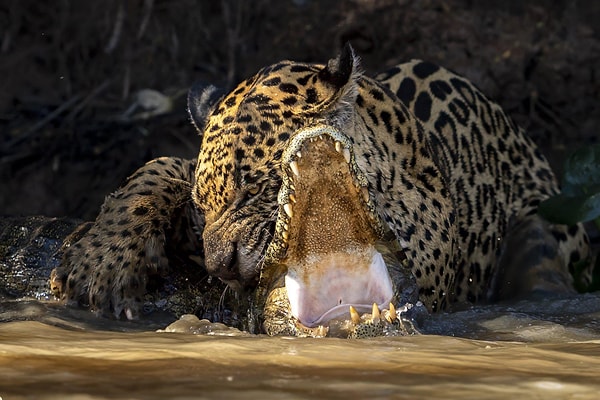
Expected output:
(450, 172)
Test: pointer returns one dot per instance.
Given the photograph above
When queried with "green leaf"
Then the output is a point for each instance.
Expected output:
(582, 172)
(569, 210)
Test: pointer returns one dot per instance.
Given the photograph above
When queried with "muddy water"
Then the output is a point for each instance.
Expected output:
(529, 350)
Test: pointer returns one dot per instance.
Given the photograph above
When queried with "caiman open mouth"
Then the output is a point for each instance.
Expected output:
(329, 228)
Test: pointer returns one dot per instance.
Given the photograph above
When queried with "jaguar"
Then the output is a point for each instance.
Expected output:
(318, 190)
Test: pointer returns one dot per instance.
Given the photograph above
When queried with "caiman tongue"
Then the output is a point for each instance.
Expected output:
(331, 231)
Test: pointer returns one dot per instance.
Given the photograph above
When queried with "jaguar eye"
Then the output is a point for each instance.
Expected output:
(253, 190)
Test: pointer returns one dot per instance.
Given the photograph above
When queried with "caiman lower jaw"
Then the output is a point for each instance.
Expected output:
(326, 286)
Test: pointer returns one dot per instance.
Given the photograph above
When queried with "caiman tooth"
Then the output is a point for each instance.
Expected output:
(365, 194)
(285, 235)
(338, 146)
(292, 197)
(299, 154)
(376, 316)
(346, 153)
(288, 210)
(321, 331)
(392, 311)
(390, 316)
(294, 167)
(354, 315)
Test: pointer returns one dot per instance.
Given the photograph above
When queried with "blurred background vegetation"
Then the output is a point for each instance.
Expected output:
(76, 75)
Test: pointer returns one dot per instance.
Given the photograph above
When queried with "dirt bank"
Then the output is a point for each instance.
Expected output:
(70, 72)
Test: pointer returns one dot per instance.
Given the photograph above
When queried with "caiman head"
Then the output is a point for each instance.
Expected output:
(289, 212)
(330, 250)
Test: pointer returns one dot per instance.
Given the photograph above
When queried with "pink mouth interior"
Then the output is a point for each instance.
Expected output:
(331, 259)
(325, 288)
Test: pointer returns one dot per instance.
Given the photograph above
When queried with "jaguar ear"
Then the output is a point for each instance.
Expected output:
(339, 86)
(340, 69)
(201, 100)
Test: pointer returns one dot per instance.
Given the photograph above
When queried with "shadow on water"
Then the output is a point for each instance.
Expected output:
(527, 349)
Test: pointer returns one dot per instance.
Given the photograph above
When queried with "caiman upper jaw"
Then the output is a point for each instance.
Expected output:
(327, 230)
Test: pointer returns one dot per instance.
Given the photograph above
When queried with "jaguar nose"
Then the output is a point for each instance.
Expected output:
(222, 261)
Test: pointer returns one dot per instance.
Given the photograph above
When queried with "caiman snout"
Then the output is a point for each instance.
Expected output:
(330, 231)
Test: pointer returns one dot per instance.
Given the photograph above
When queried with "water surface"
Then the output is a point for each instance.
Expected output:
(47, 352)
